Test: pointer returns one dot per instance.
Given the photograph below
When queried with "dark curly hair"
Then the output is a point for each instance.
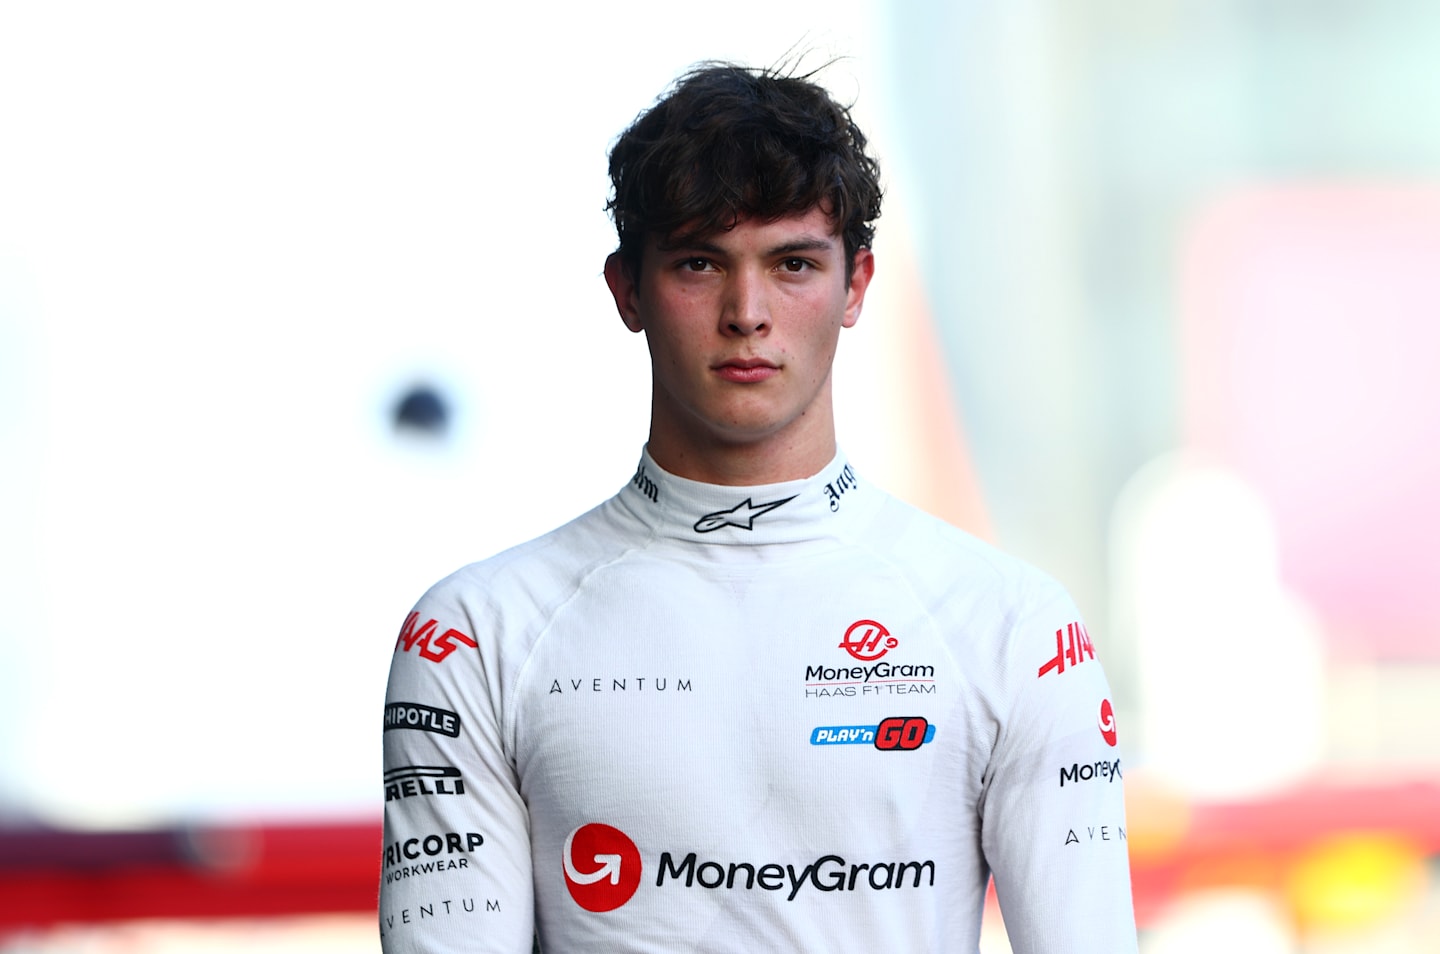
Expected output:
(729, 142)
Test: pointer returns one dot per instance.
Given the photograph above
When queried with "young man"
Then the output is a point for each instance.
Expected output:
(751, 703)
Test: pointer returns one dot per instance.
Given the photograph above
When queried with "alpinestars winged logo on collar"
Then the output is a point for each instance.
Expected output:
(741, 515)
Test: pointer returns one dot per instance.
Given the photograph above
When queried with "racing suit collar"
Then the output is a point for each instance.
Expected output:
(785, 512)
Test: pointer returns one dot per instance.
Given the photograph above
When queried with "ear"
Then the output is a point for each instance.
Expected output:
(624, 290)
(860, 276)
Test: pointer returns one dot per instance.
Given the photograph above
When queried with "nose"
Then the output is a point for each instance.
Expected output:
(746, 309)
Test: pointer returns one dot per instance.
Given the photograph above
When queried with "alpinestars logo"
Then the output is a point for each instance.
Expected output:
(602, 867)
(867, 640)
(1107, 722)
(741, 515)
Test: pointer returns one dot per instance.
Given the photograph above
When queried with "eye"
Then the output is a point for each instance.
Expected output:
(794, 264)
(696, 265)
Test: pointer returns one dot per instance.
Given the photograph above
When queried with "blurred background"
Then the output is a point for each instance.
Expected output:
(301, 309)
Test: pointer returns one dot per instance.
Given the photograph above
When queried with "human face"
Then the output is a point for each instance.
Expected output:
(742, 327)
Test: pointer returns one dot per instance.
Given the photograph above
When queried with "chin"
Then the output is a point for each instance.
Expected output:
(748, 433)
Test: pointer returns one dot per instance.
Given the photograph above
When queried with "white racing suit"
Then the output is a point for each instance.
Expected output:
(796, 717)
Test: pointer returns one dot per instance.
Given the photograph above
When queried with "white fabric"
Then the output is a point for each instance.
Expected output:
(656, 710)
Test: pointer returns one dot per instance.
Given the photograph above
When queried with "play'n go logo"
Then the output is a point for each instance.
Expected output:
(602, 867)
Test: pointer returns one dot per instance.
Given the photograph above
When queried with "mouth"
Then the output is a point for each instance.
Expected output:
(747, 370)
(747, 364)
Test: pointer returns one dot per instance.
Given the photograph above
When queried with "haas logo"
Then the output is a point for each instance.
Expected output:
(602, 867)
(432, 647)
(868, 640)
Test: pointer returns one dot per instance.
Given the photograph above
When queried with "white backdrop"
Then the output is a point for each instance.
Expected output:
(230, 237)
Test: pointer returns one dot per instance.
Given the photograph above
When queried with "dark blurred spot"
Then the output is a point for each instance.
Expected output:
(422, 411)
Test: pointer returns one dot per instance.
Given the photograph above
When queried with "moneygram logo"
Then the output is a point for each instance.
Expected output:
(1077, 773)
(1107, 722)
(867, 640)
(602, 867)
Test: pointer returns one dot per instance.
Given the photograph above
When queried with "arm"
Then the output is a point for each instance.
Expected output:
(455, 867)
(1053, 809)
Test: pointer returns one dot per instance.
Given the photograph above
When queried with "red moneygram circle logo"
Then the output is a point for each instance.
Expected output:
(868, 640)
(602, 867)
(1107, 721)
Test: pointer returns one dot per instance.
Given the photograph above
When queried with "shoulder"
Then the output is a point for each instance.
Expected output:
(945, 563)
(549, 561)
(996, 613)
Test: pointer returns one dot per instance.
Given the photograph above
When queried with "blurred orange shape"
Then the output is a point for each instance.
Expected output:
(1158, 815)
(1355, 880)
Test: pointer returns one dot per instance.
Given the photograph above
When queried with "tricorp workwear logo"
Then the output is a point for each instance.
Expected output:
(868, 640)
(602, 867)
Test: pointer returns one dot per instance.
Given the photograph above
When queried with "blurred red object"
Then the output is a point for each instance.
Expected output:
(55, 877)
(51, 877)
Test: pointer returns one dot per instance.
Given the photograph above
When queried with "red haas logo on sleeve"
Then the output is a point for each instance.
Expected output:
(432, 647)
(1072, 645)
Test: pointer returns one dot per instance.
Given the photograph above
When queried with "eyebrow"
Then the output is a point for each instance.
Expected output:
(804, 244)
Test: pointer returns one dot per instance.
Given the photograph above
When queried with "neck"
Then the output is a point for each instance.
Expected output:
(794, 453)
(743, 465)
